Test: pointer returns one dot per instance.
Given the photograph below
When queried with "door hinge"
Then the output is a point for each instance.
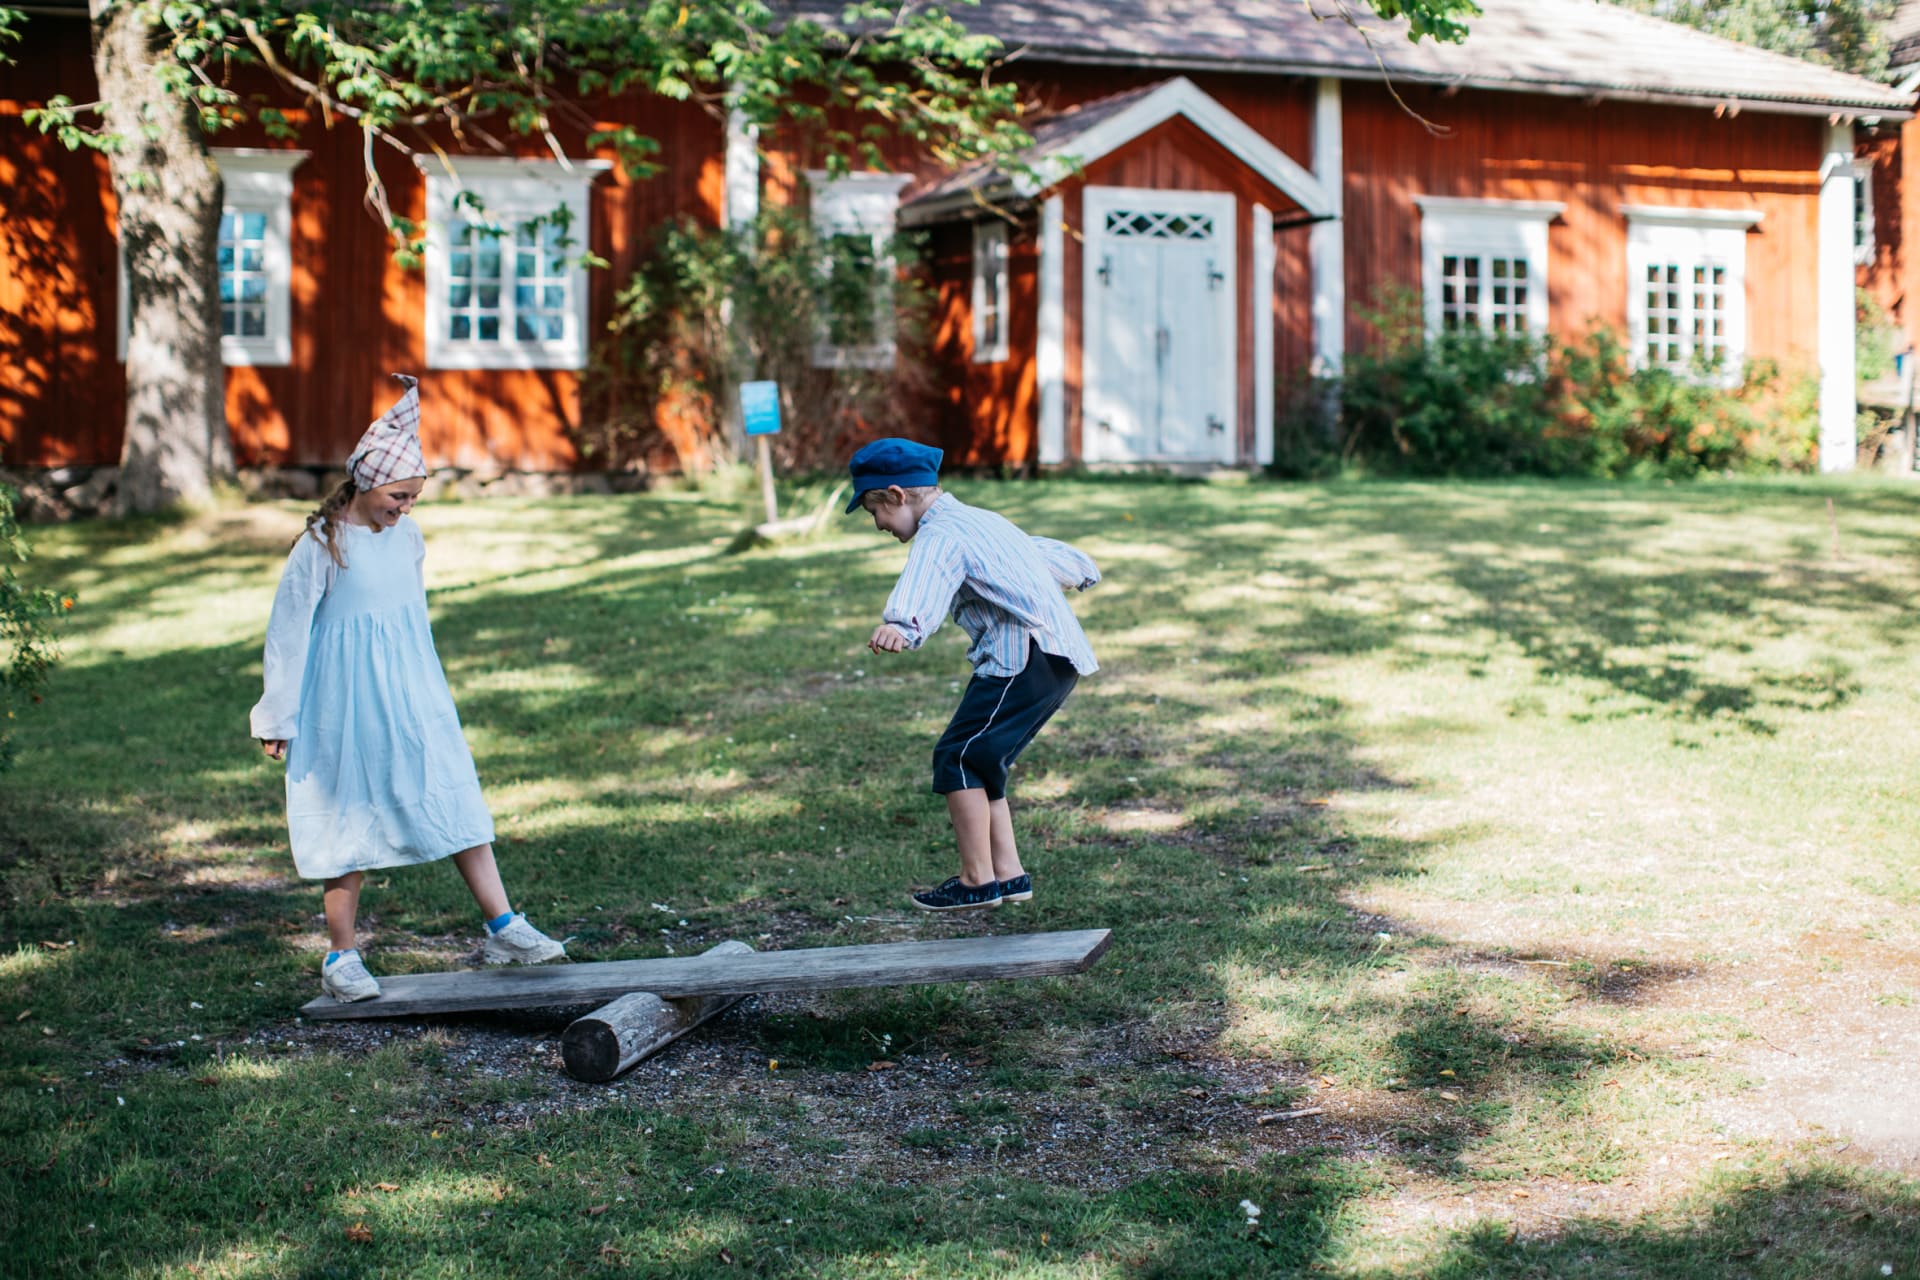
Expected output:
(1106, 269)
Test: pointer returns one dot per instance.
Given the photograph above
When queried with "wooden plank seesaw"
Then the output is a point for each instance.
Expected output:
(654, 1002)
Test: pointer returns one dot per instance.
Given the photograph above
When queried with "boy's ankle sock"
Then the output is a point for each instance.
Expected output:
(500, 922)
(335, 955)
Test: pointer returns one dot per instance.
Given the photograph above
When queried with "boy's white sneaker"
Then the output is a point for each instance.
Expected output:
(521, 943)
(346, 979)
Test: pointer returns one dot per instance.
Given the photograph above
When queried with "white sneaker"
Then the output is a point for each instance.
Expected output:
(521, 943)
(346, 979)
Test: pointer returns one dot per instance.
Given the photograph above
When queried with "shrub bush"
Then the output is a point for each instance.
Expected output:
(27, 652)
(1474, 403)
(1653, 422)
(713, 307)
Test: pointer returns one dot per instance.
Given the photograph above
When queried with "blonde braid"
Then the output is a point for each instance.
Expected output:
(324, 516)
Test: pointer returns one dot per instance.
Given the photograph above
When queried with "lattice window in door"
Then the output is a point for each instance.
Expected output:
(1143, 224)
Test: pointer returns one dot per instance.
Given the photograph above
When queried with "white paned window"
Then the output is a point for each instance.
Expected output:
(1863, 245)
(254, 257)
(507, 243)
(854, 217)
(989, 292)
(243, 274)
(1687, 288)
(1483, 264)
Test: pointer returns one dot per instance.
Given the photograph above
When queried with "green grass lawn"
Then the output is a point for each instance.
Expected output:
(1550, 846)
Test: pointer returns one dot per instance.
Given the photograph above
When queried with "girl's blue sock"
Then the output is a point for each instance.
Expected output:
(499, 922)
(335, 955)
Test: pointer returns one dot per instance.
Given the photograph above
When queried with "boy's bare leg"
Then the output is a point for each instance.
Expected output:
(340, 899)
(973, 828)
(478, 869)
(1006, 855)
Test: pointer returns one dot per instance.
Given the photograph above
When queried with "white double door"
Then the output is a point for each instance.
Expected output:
(1160, 357)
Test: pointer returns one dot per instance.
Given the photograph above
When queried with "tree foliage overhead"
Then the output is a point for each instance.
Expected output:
(1847, 34)
(1443, 20)
(433, 77)
(398, 70)
(427, 76)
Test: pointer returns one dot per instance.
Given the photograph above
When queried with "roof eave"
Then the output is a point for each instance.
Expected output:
(996, 193)
(1557, 89)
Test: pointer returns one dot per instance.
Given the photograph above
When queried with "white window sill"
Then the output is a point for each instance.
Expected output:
(878, 357)
(489, 356)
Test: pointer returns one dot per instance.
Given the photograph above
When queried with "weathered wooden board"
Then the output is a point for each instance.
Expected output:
(886, 964)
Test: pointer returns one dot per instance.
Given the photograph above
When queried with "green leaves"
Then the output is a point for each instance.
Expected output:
(1848, 34)
(1442, 20)
(27, 651)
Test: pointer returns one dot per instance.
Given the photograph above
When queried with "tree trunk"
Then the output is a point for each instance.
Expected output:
(170, 197)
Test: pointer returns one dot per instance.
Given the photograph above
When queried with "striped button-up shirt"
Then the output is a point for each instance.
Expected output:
(1003, 587)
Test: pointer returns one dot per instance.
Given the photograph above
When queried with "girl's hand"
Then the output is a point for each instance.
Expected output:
(276, 748)
(886, 639)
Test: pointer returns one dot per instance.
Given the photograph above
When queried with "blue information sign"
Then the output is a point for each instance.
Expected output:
(760, 407)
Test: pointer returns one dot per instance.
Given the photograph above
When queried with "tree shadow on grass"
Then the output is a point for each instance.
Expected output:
(219, 1163)
(708, 735)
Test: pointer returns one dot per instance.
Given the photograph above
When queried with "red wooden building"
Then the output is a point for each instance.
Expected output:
(1889, 196)
(1218, 183)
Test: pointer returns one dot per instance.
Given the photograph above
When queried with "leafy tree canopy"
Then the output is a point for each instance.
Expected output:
(413, 74)
(1847, 34)
(398, 69)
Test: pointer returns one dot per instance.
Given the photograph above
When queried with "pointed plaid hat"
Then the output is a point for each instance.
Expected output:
(390, 449)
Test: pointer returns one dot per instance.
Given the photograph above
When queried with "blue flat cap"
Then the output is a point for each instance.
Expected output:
(893, 461)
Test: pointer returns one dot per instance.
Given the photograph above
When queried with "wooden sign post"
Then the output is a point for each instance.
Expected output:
(760, 411)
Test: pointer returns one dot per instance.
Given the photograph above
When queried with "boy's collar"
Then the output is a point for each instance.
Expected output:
(940, 500)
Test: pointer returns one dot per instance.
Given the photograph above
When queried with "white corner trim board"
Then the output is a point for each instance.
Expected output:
(742, 191)
(1263, 266)
(1834, 305)
(1326, 240)
(1050, 357)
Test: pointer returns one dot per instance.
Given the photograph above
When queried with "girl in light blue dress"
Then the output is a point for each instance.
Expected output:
(378, 772)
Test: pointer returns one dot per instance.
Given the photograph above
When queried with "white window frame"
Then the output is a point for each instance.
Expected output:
(865, 203)
(1454, 227)
(255, 180)
(1661, 234)
(510, 191)
(1863, 229)
(991, 249)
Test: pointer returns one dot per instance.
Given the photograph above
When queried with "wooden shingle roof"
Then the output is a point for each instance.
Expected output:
(1583, 48)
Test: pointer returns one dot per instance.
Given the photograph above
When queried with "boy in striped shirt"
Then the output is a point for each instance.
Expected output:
(1004, 589)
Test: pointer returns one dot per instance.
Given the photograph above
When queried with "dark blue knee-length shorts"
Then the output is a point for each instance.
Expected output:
(997, 717)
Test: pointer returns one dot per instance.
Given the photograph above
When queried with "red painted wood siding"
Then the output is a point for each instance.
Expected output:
(1890, 276)
(356, 315)
(61, 387)
(1596, 158)
(985, 413)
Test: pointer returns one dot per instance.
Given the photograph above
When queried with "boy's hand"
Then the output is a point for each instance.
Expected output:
(887, 639)
(275, 748)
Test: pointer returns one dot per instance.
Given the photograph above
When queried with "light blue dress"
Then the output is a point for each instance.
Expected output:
(378, 772)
